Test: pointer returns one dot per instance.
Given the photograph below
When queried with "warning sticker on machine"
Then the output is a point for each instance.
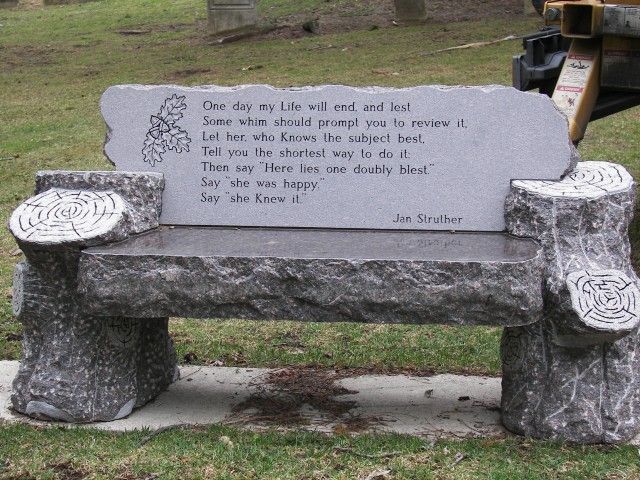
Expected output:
(564, 88)
(621, 20)
(572, 82)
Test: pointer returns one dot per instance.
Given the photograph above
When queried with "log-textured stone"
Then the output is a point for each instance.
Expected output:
(309, 275)
(69, 218)
(582, 223)
(78, 367)
(95, 320)
(605, 300)
(571, 376)
(142, 191)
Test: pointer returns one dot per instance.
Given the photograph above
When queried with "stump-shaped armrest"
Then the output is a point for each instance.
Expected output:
(73, 210)
(587, 181)
(70, 218)
(582, 223)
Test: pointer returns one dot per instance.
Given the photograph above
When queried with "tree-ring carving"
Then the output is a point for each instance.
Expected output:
(587, 180)
(123, 332)
(605, 299)
(60, 216)
(512, 348)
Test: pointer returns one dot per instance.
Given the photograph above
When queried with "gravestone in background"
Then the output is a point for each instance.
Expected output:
(427, 158)
(231, 15)
(411, 10)
(8, 3)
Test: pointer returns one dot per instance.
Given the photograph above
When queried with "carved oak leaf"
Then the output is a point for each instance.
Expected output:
(177, 139)
(153, 150)
(172, 109)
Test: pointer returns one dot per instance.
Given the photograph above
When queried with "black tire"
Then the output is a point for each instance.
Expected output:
(538, 5)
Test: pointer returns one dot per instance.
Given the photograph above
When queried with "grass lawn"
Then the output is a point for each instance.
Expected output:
(206, 453)
(55, 62)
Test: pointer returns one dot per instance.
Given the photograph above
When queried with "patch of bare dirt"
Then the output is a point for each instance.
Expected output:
(147, 29)
(128, 475)
(28, 55)
(372, 14)
(189, 72)
(67, 471)
(281, 397)
(29, 4)
(36, 4)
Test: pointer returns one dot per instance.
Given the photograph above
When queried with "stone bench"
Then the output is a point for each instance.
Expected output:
(95, 312)
(103, 271)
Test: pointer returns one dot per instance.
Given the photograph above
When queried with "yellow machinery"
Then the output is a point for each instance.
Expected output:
(603, 59)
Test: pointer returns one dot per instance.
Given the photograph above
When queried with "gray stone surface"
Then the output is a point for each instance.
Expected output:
(365, 276)
(61, 218)
(78, 209)
(95, 320)
(605, 300)
(569, 377)
(584, 395)
(582, 224)
(424, 406)
(427, 158)
(78, 367)
(230, 16)
(142, 191)
(411, 10)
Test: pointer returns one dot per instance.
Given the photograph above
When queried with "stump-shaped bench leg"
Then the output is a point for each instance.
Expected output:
(576, 375)
(584, 395)
(78, 367)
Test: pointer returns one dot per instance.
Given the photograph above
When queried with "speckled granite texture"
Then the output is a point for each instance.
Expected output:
(78, 367)
(575, 375)
(308, 275)
(95, 326)
(142, 191)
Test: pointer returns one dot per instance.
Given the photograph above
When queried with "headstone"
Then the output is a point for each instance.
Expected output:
(430, 158)
(411, 10)
(231, 15)
(8, 3)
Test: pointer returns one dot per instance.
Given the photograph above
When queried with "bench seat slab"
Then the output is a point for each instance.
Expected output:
(316, 275)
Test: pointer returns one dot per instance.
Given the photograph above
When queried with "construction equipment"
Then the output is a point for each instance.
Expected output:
(587, 58)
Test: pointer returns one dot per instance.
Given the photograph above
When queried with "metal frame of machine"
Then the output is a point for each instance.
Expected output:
(587, 58)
